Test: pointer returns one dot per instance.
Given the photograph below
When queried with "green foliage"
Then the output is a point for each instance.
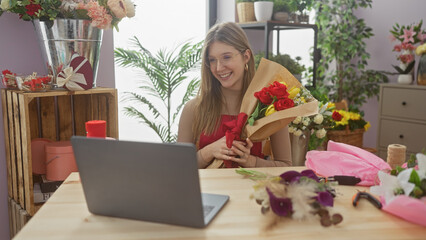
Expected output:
(341, 38)
(164, 73)
(398, 31)
(419, 190)
(300, 5)
(240, 1)
(285, 60)
(281, 6)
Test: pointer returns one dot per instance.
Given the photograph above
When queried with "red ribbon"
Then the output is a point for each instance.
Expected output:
(233, 131)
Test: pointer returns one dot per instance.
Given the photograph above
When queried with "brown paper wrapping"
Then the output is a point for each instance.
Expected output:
(268, 72)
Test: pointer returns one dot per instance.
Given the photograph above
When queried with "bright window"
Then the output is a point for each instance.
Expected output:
(159, 24)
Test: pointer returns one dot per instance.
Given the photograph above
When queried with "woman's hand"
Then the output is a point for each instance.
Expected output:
(220, 150)
(242, 149)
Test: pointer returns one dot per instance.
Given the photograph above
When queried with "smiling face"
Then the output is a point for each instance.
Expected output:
(227, 64)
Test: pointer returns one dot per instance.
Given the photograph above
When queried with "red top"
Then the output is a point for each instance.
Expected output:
(256, 150)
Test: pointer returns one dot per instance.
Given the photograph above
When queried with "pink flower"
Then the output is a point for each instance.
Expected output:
(98, 14)
(421, 37)
(408, 46)
(397, 48)
(117, 7)
(406, 58)
(392, 38)
(408, 35)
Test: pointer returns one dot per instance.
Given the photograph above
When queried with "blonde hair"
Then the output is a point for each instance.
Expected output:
(209, 99)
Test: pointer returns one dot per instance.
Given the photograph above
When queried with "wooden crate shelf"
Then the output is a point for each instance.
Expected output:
(55, 115)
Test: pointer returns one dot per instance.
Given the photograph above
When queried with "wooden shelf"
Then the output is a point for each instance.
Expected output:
(55, 115)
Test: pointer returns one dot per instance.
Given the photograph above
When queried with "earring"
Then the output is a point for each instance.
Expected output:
(246, 67)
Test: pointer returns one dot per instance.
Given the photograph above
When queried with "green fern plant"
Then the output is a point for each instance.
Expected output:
(164, 72)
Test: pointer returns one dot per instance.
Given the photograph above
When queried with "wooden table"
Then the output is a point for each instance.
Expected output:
(65, 216)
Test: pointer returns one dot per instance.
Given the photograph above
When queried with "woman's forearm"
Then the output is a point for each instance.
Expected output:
(272, 163)
(204, 157)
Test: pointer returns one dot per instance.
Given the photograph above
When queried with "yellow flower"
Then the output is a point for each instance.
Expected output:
(421, 49)
(331, 105)
(270, 110)
(282, 82)
(367, 126)
(293, 92)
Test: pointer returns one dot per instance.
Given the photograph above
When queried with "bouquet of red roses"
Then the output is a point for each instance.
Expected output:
(273, 99)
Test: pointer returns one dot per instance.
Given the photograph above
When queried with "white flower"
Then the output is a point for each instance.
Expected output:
(5, 4)
(297, 120)
(306, 121)
(298, 133)
(320, 133)
(318, 119)
(421, 162)
(69, 5)
(261, 195)
(390, 183)
(130, 8)
(291, 129)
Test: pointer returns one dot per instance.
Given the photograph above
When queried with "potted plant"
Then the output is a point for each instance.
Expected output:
(342, 67)
(281, 10)
(301, 6)
(263, 10)
(406, 37)
(292, 65)
(245, 11)
(165, 71)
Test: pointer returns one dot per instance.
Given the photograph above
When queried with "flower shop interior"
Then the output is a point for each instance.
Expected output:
(391, 46)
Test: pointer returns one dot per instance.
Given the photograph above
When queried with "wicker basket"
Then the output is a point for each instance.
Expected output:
(245, 12)
(346, 136)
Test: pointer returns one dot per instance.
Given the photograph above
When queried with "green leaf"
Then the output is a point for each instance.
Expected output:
(414, 178)
(252, 174)
(162, 74)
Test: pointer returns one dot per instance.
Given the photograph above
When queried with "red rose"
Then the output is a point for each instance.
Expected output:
(278, 90)
(32, 9)
(4, 72)
(263, 96)
(283, 103)
(336, 116)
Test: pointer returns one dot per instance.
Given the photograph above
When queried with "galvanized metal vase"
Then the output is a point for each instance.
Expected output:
(299, 148)
(66, 37)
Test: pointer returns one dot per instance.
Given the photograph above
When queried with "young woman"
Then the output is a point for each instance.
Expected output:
(227, 70)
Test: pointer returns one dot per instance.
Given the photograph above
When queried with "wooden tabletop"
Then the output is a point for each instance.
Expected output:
(65, 216)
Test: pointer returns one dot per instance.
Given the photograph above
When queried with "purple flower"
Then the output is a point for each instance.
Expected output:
(280, 206)
(325, 199)
(291, 176)
(294, 176)
(310, 174)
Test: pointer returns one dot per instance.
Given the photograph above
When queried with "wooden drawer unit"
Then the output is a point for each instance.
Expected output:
(404, 103)
(55, 115)
(402, 118)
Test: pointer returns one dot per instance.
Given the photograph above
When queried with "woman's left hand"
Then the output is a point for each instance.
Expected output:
(242, 150)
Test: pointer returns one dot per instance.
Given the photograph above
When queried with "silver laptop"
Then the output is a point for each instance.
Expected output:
(156, 182)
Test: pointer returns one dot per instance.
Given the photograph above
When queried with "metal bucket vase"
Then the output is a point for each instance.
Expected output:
(299, 148)
(66, 37)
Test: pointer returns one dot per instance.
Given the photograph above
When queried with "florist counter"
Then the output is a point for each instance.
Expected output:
(65, 216)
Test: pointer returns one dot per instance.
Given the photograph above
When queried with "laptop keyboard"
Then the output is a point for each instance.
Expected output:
(207, 209)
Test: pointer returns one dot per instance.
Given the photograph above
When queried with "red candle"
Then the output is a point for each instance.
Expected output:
(96, 128)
